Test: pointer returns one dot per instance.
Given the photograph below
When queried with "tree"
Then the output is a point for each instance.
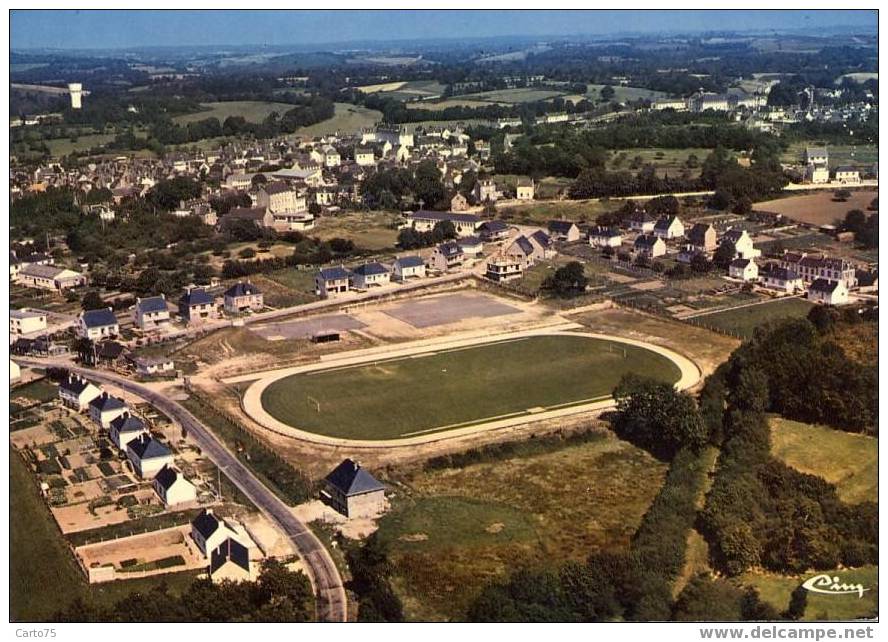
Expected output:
(700, 264)
(724, 254)
(92, 300)
(607, 93)
(568, 280)
(798, 602)
(841, 195)
(429, 187)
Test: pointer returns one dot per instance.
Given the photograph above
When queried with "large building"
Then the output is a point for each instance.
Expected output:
(26, 322)
(425, 221)
(353, 491)
(811, 267)
(49, 277)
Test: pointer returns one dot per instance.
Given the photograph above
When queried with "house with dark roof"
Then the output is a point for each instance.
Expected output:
(230, 561)
(173, 489)
(828, 292)
(105, 408)
(780, 278)
(847, 175)
(96, 325)
(743, 269)
(151, 312)
(445, 257)
(332, 280)
(243, 297)
(522, 251)
(649, 245)
(703, 237)
(209, 531)
(602, 236)
(370, 274)
(669, 227)
(495, 230)
(196, 304)
(566, 231)
(471, 245)
(76, 392)
(124, 428)
(148, 456)
(48, 277)
(425, 221)
(259, 216)
(353, 491)
(641, 221)
(408, 267)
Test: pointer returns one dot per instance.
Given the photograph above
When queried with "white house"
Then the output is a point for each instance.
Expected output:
(641, 221)
(148, 456)
(504, 268)
(172, 487)
(209, 531)
(15, 371)
(25, 321)
(76, 392)
(124, 428)
(105, 408)
(408, 267)
(782, 279)
(365, 157)
(847, 175)
(524, 190)
(828, 292)
(566, 231)
(600, 236)
(425, 221)
(49, 277)
(743, 245)
(445, 257)
(669, 227)
(151, 312)
(243, 297)
(743, 269)
(471, 245)
(150, 366)
(230, 562)
(96, 325)
(196, 304)
(649, 245)
(370, 274)
(333, 280)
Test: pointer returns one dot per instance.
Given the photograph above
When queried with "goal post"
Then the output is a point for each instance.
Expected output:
(312, 401)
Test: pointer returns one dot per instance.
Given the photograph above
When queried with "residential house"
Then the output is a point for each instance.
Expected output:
(459, 203)
(332, 280)
(243, 297)
(669, 227)
(332, 157)
(485, 190)
(370, 274)
(502, 268)
(152, 366)
(702, 237)
(26, 322)
(49, 277)
(259, 216)
(196, 305)
(847, 175)
(425, 221)
(471, 245)
(209, 531)
(446, 256)
(494, 230)
(278, 197)
(151, 312)
(124, 428)
(353, 491)
(743, 246)
(77, 393)
(828, 292)
(230, 562)
(105, 408)
(408, 267)
(15, 371)
(641, 221)
(743, 269)
(365, 157)
(565, 231)
(543, 244)
(148, 456)
(600, 236)
(816, 156)
(96, 325)
(649, 245)
(780, 278)
(172, 488)
(524, 189)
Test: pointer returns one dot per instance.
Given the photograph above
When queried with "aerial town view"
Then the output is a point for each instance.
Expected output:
(444, 316)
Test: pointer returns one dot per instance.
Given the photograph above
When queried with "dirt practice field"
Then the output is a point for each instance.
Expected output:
(137, 553)
(307, 328)
(434, 391)
(819, 208)
(450, 308)
(253, 111)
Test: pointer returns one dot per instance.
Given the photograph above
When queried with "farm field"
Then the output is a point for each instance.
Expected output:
(667, 161)
(838, 154)
(851, 463)
(252, 110)
(346, 118)
(444, 391)
(777, 589)
(818, 208)
(452, 531)
(540, 212)
(43, 575)
(743, 321)
(623, 94)
(406, 90)
(450, 102)
(370, 231)
(514, 96)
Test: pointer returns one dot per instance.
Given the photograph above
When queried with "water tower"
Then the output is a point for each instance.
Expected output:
(76, 90)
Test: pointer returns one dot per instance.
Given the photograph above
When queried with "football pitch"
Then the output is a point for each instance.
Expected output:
(444, 390)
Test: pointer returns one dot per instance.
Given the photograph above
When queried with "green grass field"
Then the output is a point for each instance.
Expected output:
(744, 321)
(838, 154)
(514, 96)
(452, 531)
(370, 231)
(445, 390)
(777, 589)
(622, 94)
(43, 576)
(347, 119)
(253, 111)
(849, 461)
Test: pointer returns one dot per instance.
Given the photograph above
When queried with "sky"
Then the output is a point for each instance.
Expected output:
(66, 29)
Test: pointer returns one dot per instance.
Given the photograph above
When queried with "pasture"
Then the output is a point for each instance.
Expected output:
(369, 231)
(452, 531)
(346, 118)
(252, 111)
(743, 321)
(848, 460)
(420, 394)
(514, 96)
(623, 94)
(818, 208)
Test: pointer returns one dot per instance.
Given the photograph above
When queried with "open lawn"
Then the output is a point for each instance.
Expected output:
(818, 208)
(540, 212)
(456, 388)
(44, 577)
(667, 161)
(839, 155)
(623, 94)
(253, 111)
(743, 321)
(59, 147)
(452, 531)
(776, 589)
(348, 119)
(369, 231)
(848, 460)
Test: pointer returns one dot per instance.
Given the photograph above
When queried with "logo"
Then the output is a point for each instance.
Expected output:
(831, 585)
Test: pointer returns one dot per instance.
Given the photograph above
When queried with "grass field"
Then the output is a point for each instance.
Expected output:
(370, 231)
(818, 208)
(452, 531)
(622, 94)
(451, 102)
(838, 154)
(253, 111)
(44, 577)
(743, 321)
(409, 396)
(539, 213)
(347, 119)
(59, 147)
(667, 161)
(514, 96)
(777, 589)
(849, 461)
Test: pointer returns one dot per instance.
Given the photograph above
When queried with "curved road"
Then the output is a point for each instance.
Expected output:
(331, 603)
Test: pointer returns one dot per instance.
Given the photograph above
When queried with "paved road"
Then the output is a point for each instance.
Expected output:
(324, 574)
